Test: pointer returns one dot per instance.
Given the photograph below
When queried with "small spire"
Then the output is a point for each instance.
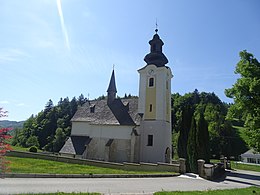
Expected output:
(112, 83)
(156, 26)
(111, 91)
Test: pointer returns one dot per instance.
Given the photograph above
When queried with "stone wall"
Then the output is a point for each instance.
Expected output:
(210, 171)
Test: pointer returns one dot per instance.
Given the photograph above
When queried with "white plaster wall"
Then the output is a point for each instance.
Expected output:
(142, 90)
(170, 93)
(96, 149)
(116, 132)
(163, 74)
(120, 151)
(101, 131)
(80, 128)
(161, 131)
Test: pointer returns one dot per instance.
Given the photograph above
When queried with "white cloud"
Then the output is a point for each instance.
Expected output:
(13, 102)
(4, 102)
(63, 27)
(20, 104)
(11, 54)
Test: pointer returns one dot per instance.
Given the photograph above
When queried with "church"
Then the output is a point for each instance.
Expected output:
(128, 130)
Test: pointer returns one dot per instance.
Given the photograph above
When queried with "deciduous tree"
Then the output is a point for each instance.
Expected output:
(246, 95)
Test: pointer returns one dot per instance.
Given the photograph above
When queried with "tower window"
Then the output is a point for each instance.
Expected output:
(151, 108)
(151, 82)
(150, 140)
(167, 85)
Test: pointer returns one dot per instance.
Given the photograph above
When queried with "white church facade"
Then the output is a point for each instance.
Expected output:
(128, 130)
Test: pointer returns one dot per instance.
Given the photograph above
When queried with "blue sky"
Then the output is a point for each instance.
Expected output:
(57, 48)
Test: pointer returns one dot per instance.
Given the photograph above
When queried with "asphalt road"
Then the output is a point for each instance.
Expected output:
(234, 179)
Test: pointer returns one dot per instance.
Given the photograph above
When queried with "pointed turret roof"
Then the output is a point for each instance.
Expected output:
(112, 84)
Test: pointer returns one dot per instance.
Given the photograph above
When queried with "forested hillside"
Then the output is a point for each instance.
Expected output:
(11, 124)
(50, 127)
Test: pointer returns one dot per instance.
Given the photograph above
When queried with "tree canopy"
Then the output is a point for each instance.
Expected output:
(214, 135)
(49, 129)
(246, 95)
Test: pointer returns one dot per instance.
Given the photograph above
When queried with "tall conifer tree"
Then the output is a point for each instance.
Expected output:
(203, 139)
(192, 147)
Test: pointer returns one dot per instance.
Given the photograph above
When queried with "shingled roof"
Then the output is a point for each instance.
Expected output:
(119, 112)
(75, 145)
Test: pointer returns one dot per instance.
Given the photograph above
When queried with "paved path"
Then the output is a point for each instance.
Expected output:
(234, 179)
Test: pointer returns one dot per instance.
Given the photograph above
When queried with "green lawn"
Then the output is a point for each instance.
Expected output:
(30, 165)
(243, 191)
(235, 165)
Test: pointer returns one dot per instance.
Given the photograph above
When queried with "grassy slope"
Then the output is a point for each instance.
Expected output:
(30, 165)
(238, 141)
(215, 192)
(241, 131)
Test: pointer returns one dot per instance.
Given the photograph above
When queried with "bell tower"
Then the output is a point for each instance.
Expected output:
(154, 104)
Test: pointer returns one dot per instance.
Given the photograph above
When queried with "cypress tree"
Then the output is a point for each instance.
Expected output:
(192, 147)
(203, 139)
(185, 126)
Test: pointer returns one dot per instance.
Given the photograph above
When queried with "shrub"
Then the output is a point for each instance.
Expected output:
(33, 149)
